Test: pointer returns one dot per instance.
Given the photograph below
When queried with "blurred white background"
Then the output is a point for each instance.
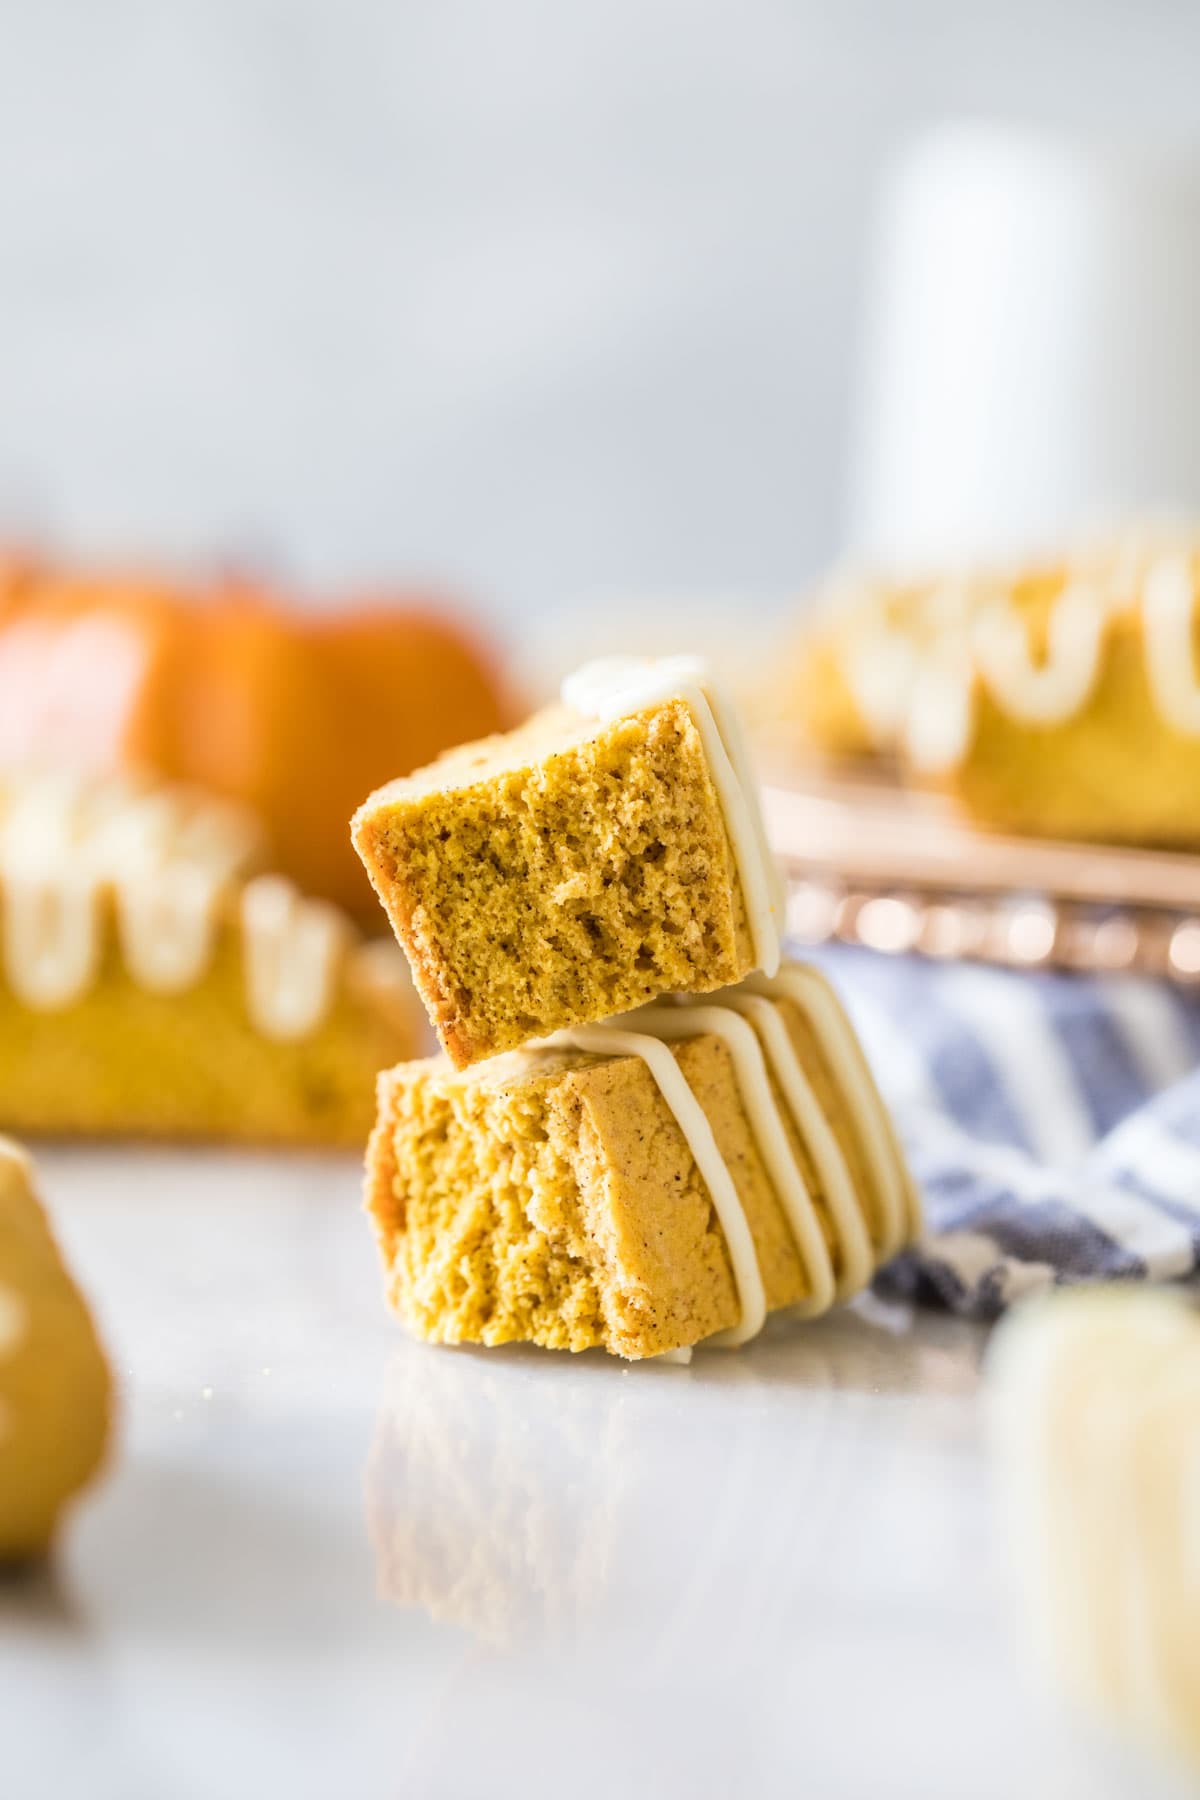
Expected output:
(537, 297)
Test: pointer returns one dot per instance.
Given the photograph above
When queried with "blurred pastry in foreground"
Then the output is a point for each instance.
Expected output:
(151, 984)
(295, 714)
(1060, 699)
(644, 1183)
(1095, 1414)
(55, 1389)
(608, 851)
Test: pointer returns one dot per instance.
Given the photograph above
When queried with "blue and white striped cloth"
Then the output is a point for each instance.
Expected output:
(1052, 1122)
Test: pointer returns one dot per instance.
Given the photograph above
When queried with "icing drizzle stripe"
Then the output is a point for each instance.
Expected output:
(745, 1019)
(689, 1115)
(291, 948)
(855, 1255)
(812, 995)
(770, 1136)
(1055, 690)
(166, 866)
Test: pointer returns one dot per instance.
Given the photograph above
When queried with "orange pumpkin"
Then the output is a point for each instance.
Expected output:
(298, 715)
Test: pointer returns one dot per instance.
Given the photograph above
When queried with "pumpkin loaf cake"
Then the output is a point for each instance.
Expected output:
(1072, 706)
(152, 985)
(857, 681)
(642, 1184)
(54, 1382)
(1057, 698)
(606, 853)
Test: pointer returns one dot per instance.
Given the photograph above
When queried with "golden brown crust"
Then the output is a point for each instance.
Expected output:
(445, 1007)
(381, 1194)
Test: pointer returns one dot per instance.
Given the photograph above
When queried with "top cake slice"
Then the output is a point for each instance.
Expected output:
(607, 852)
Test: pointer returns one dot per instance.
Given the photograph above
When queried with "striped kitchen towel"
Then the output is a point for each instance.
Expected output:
(1052, 1122)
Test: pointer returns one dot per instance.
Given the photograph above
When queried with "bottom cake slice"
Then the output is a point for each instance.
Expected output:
(642, 1184)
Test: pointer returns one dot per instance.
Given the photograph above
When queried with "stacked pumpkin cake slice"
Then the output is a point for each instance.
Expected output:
(645, 1130)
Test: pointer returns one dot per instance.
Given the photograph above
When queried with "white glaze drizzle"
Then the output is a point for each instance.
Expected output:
(1048, 693)
(166, 865)
(880, 669)
(882, 663)
(52, 941)
(738, 1035)
(52, 928)
(166, 925)
(812, 996)
(939, 709)
(613, 687)
(689, 1115)
(746, 1021)
(855, 1255)
(67, 845)
(936, 699)
(291, 948)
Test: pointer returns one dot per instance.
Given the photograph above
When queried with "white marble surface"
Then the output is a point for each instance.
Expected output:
(328, 1561)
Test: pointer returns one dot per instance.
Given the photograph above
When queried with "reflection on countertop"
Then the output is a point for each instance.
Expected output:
(516, 1493)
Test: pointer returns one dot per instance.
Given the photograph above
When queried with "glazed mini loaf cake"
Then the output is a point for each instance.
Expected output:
(150, 984)
(609, 851)
(54, 1382)
(1095, 1410)
(1072, 705)
(641, 1184)
(1059, 699)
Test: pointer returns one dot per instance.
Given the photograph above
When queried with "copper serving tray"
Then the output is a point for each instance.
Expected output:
(872, 863)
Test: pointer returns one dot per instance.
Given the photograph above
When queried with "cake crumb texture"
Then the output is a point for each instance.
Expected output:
(558, 875)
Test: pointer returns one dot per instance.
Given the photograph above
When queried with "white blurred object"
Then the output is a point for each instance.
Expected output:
(1031, 361)
(1094, 1414)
